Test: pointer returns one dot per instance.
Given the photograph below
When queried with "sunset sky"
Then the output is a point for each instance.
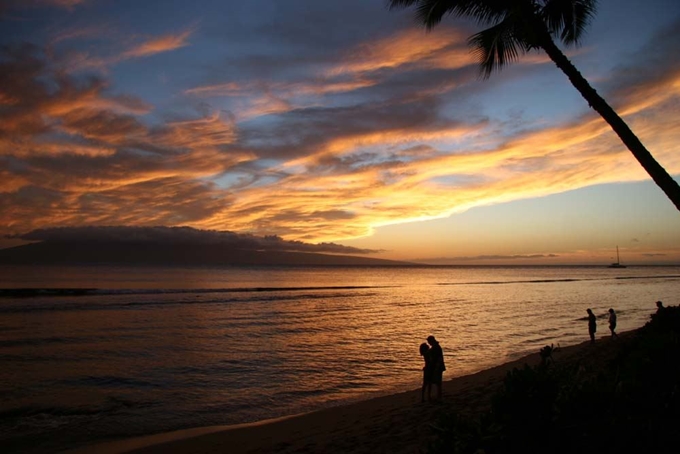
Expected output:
(336, 122)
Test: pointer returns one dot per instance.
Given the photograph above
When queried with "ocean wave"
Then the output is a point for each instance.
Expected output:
(47, 292)
(35, 341)
(227, 297)
(51, 416)
(556, 280)
(112, 381)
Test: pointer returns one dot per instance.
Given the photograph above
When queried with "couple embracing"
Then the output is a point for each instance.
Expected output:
(434, 367)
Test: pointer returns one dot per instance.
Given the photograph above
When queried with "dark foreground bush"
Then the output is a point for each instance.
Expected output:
(629, 402)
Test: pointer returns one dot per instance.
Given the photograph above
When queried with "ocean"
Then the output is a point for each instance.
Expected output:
(99, 353)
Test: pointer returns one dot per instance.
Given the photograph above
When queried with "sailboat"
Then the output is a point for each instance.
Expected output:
(617, 264)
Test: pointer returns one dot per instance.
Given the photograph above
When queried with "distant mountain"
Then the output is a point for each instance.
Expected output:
(153, 254)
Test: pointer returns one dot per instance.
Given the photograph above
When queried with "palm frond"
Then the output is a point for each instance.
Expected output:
(394, 4)
(484, 11)
(431, 12)
(498, 46)
(567, 19)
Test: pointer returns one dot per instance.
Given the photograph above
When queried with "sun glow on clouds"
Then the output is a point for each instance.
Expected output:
(360, 139)
(446, 49)
(158, 45)
(362, 67)
(111, 49)
(72, 155)
(535, 164)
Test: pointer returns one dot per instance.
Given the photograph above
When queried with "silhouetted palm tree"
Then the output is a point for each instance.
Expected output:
(519, 26)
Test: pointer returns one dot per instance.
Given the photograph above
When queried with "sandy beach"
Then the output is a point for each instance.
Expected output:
(397, 423)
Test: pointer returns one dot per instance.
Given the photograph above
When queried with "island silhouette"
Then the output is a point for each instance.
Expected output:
(177, 246)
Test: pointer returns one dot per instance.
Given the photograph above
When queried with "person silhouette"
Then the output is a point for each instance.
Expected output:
(437, 363)
(612, 323)
(592, 325)
(427, 371)
(659, 306)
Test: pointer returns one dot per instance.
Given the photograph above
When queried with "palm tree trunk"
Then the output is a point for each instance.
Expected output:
(667, 184)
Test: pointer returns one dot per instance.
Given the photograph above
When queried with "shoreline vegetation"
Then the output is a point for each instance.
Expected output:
(615, 395)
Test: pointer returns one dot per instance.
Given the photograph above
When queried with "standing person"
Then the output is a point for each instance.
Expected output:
(592, 325)
(437, 363)
(427, 371)
(612, 322)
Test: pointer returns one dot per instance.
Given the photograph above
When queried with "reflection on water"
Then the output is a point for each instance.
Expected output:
(148, 350)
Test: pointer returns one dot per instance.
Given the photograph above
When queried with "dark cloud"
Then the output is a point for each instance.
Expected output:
(305, 132)
(313, 26)
(185, 236)
(102, 125)
(317, 217)
(37, 99)
(652, 64)
(285, 38)
(10, 4)
(168, 201)
(334, 214)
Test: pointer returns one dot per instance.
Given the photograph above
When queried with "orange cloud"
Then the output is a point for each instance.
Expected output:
(109, 52)
(207, 132)
(226, 89)
(414, 47)
(259, 98)
(265, 103)
(78, 33)
(158, 45)
(316, 87)
(331, 173)
(347, 144)
(646, 96)
(70, 154)
(446, 181)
